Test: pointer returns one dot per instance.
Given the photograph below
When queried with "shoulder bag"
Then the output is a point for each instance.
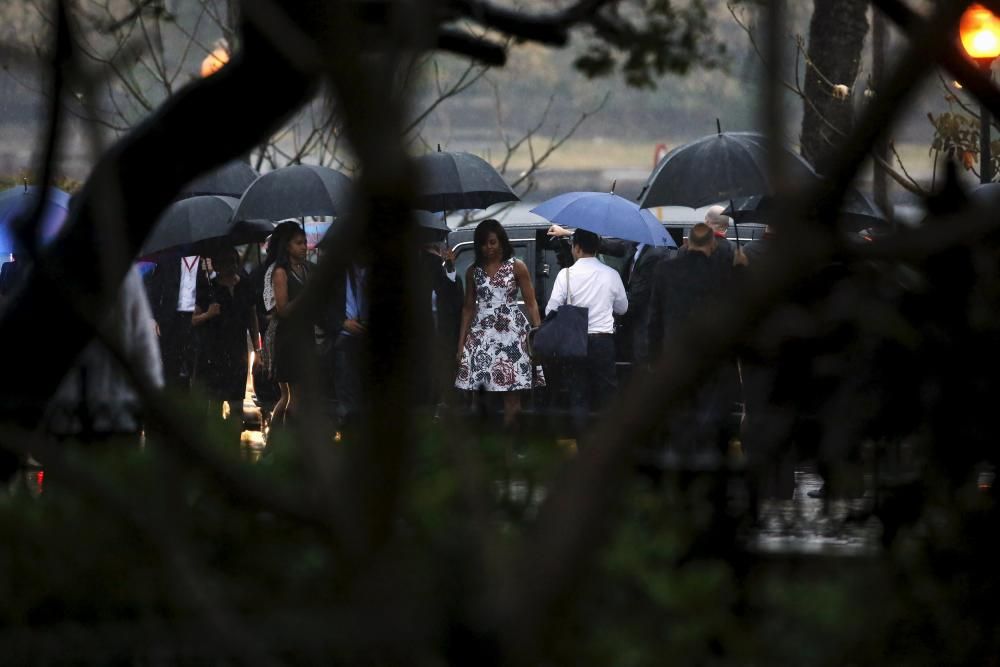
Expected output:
(563, 332)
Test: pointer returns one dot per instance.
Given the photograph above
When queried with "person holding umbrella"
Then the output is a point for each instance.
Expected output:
(224, 315)
(492, 344)
(440, 315)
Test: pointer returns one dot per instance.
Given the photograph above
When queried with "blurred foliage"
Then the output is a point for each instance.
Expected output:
(956, 136)
(85, 581)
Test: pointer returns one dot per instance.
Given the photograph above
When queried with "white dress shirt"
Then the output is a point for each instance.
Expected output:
(189, 283)
(595, 286)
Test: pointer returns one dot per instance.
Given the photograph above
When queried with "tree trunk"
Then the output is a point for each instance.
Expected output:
(836, 37)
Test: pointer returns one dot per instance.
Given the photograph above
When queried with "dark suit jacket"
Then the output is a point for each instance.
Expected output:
(758, 249)
(681, 286)
(638, 281)
(725, 250)
(162, 288)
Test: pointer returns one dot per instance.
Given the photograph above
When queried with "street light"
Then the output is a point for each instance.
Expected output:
(215, 60)
(979, 30)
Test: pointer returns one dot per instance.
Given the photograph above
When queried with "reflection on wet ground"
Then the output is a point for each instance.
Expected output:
(815, 525)
(801, 525)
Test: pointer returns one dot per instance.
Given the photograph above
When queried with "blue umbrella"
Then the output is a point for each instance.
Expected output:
(18, 201)
(607, 214)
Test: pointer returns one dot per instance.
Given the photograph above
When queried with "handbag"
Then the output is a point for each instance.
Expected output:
(563, 332)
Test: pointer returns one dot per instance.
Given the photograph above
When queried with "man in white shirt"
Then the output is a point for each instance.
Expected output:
(591, 284)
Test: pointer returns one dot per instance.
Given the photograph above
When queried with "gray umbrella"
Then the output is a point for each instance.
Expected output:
(200, 225)
(295, 191)
(229, 180)
(458, 181)
(715, 169)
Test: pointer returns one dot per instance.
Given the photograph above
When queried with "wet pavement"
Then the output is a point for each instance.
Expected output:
(801, 525)
(814, 525)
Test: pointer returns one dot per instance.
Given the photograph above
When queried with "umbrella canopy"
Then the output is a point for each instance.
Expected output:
(456, 181)
(606, 214)
(20, 200)
(229, 180)
(857, 210)
(431, 227)
(201, 225)
(296, 191)
(715, 169)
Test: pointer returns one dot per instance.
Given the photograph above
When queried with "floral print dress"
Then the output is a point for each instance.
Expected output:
(495, 356)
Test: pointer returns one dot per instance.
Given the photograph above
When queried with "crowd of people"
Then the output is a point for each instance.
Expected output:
(216, 323)
(212, 318)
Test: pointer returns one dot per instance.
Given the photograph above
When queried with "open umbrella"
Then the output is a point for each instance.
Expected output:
(607, 214)
(431, 227)
(857, 210)
(716, 169)
(458, 181)
(20, 200)
(229, 180)
(296, 191)
(201, 225)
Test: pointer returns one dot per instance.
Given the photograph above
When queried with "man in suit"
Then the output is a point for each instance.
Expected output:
(172, 288)
(637, 273)
(440, 316)
(682, 287)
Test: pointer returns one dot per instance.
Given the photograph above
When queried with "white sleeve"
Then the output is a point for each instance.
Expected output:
(558, 296)
(620, 306)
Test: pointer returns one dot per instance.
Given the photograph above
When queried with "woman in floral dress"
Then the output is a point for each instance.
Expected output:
(492, 343)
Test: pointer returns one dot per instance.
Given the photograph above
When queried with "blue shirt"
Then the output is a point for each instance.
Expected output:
(356, 303)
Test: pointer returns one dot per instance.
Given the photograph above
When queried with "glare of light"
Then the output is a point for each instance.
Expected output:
(214, 61)
(986, 42)
(979, 30)
(225, 409)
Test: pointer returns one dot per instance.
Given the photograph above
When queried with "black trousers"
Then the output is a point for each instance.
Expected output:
(177, 349)
(349, 354)
(592, 382)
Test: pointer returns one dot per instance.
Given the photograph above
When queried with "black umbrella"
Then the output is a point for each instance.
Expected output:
(716, 169)
(458, 181)
(857, 210)
(295, 191)
(201, 225)
(431, 228)
(230, 180)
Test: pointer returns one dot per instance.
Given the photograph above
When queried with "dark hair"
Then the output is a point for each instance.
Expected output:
(589, 242)
(222, 254)
(700, 236)
(281, 254)
(278, 240)
(483, 231)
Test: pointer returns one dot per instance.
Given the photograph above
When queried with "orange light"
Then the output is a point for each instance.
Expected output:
(214, 61)
(980, 33)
